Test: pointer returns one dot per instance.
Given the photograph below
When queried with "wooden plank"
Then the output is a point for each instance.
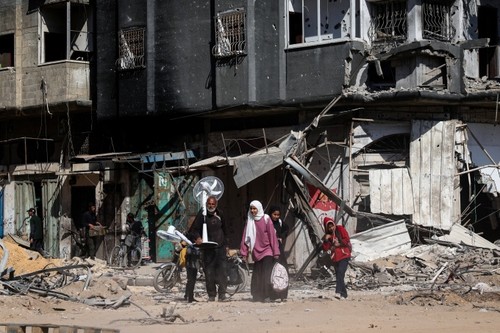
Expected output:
(407, 192)
(432, 167)
(385, 190)
(390, 191)
(397, 188)
(435, 151)
(375, 191)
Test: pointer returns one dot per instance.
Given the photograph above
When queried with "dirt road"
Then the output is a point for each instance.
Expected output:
(307, 310)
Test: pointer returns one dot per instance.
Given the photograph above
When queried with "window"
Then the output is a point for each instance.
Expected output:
(388, 21)
(229, 34)
(318, 20)
(65, 32)
(437, 20)
(7, 50)
(131, 49)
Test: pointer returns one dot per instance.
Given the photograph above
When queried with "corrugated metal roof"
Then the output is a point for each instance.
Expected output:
(382, 241)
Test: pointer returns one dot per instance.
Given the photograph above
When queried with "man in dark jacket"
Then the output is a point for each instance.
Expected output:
(214, 258)
(89, 222)
(36, 231)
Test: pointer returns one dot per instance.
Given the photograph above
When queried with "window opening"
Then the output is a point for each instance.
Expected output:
(489, 57)
(131, 49)
(437, 20)
(388, 21)
(318, 20)
(381, 76)
(66, 32)
(7, 50)
(229, 34)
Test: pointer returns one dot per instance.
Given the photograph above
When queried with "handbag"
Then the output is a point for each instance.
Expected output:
(279, 277)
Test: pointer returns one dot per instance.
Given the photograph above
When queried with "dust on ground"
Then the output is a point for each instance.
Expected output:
(310, 307)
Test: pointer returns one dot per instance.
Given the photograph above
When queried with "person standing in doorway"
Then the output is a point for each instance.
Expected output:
(36, 231)
(89, 222)
(214, 258)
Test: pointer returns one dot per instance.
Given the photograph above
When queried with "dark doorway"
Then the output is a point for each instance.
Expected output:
(81, 196)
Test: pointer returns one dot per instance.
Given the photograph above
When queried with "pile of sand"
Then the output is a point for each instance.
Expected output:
(24, 260)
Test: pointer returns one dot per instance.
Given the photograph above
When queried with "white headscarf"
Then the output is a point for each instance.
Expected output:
(250, 230)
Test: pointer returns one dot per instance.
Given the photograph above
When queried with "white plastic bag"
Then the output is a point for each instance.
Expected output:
(279, 277)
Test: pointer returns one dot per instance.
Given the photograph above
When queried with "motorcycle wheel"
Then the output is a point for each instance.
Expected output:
(166, 278)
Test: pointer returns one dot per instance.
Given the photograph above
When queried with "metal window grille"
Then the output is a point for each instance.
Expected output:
(131, 49)
(437, 20)
(388, 21)
(229, 34)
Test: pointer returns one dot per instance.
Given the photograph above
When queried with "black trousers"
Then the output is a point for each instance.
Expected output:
(260, 286)
(192, 259)
(215, 268)
(340, 269)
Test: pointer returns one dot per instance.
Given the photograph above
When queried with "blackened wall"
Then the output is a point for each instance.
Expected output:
(182, 76)
(183, 58)
(315, 72)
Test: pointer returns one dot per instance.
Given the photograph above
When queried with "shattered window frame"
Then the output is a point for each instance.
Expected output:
(131, 49)
(65, 30)
(230, 33)
(388, 21)
(437, 20)
(317, 21)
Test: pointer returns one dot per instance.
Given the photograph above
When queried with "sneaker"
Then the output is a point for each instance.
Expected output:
(338, 296)
(211, 298)
(222, 298)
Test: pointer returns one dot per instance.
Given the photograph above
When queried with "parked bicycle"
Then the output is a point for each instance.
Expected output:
(127, 254)
(169, 274)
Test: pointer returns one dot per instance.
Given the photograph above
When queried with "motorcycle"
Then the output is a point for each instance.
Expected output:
(169, 274)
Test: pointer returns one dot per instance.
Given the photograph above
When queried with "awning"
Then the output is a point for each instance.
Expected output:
(251, 166)
(247, 167)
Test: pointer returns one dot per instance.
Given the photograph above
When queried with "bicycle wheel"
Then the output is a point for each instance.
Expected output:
(115, 258)
(243, 277)
(166, 278)
(134, 257)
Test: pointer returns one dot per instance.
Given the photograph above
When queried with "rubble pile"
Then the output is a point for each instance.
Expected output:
(74, 280)
(482, 84)
(426, 268)
(25, 261)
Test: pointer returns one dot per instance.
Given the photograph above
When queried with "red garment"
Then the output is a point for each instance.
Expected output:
(338, 252)
(266, 241)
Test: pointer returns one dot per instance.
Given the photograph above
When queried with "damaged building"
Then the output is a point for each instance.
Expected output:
(367, 111)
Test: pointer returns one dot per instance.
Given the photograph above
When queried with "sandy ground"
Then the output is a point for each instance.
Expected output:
(308, 309)
(311, 306)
